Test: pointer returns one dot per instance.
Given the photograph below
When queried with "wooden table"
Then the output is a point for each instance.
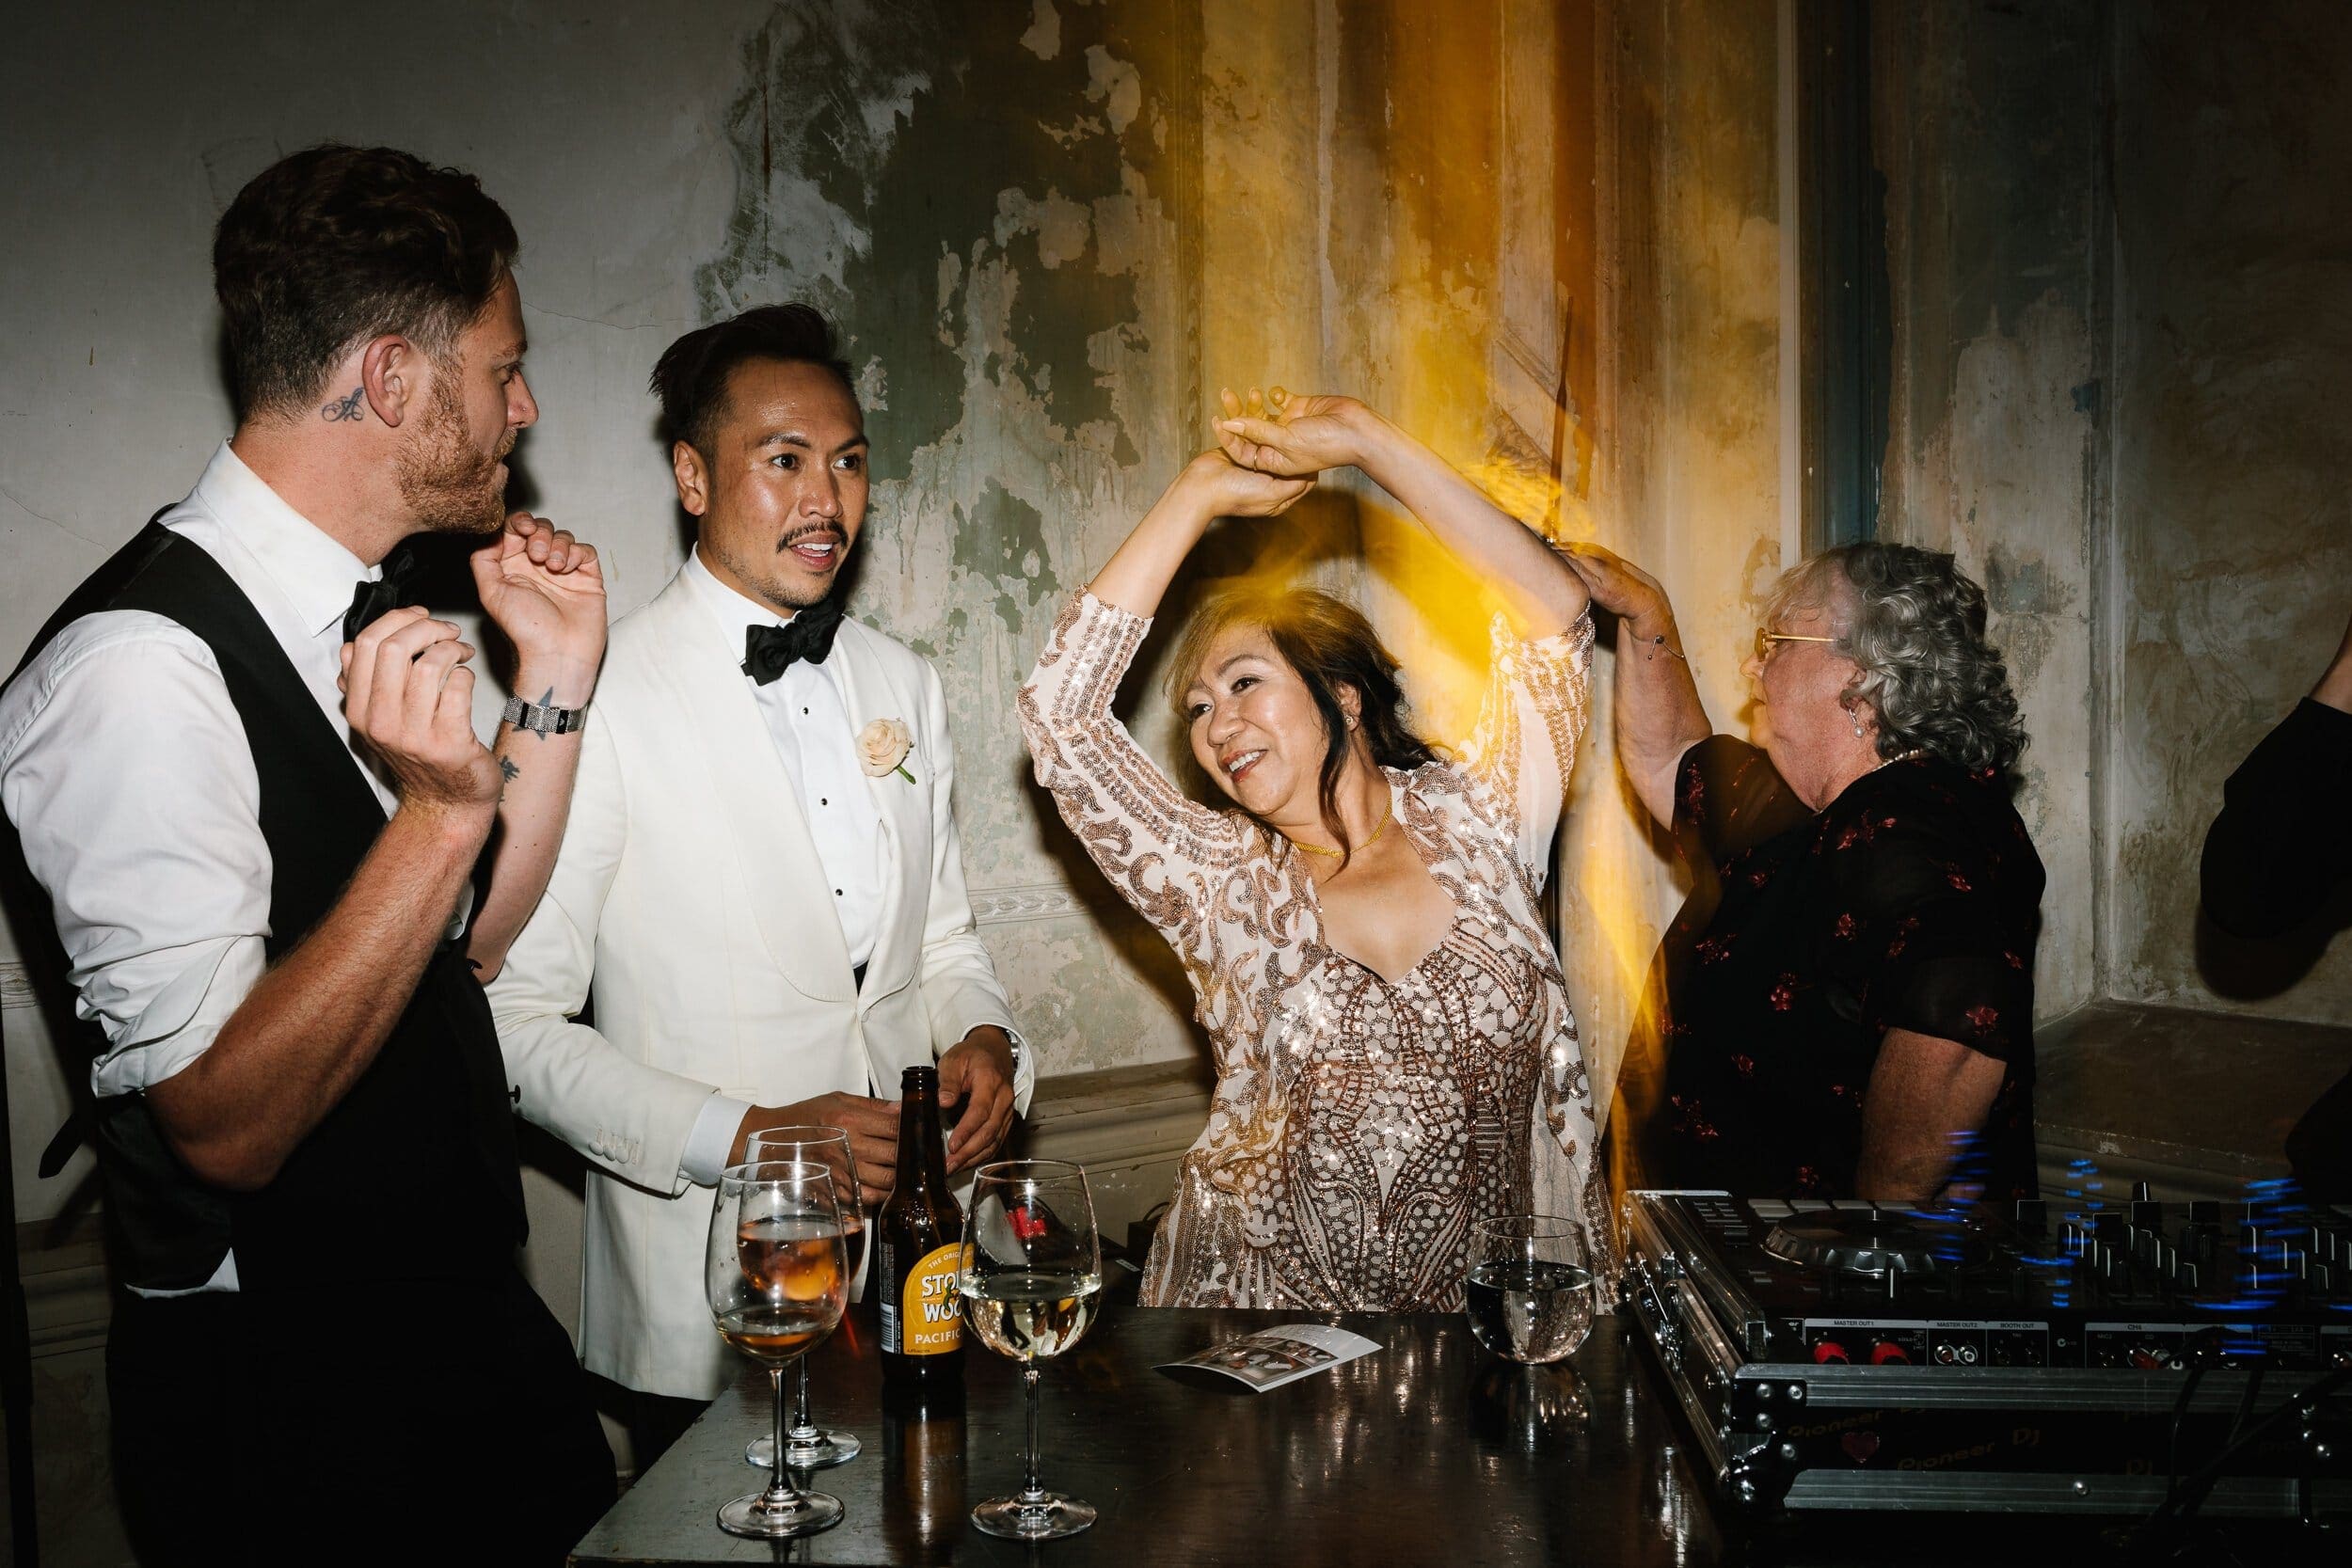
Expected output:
(1428, 1451)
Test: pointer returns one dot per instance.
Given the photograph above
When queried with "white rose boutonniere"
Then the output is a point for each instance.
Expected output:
(883, 747)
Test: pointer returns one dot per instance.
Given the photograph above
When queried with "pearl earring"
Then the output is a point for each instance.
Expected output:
(1857, 724)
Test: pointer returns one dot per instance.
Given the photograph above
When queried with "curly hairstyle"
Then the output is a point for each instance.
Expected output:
(1330, 645)
(690, 378)
(1917, 633)
(333, 245)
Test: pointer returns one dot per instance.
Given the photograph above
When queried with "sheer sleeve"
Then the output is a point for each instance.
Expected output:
(1919, 909)
(1729, 798)
(1524, 748)
(1163, 851)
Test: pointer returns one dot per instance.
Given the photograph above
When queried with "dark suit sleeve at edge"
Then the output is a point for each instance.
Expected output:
(2282, 840)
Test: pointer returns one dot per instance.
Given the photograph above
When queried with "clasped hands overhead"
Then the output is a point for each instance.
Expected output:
(1271, 447)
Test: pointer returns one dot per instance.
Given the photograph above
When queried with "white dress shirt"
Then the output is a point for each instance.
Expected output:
(808, 719)
(125, 769)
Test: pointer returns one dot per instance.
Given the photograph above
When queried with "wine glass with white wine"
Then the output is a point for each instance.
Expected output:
(777, 1278)
(1031, 1279)
(808, 1446)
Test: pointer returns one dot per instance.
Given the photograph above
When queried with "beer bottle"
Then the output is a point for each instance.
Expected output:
(919, 1237)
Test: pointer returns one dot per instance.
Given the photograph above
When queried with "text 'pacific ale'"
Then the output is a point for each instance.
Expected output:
(918, 1235)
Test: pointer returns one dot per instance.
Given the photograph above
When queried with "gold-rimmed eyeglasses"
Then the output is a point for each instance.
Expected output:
(1764, 641)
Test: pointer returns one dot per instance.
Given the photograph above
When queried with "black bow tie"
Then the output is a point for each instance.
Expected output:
(372, 599)
(770, 651)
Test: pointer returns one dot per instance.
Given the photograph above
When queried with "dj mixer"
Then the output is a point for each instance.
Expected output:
(2091, 1359)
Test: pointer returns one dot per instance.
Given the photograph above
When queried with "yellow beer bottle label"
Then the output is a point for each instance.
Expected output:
(930, 1315)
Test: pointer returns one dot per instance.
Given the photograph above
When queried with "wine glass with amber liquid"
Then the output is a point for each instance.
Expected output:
(808, 1446)
(1031, 1279)
(776, 1273)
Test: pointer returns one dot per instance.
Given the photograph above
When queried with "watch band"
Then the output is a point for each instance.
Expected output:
(544, 721)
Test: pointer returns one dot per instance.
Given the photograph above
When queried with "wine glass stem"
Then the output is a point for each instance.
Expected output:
(1032, 1488)
(803, 1427)
(781, 1490)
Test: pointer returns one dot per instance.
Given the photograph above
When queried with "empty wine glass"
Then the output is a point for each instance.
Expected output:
(1031, 1278)
(1531, 1289)
(777, 1278)
(808, 1446)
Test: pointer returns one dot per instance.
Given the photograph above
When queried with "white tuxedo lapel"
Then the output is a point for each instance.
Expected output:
(759, 811)
(869, 695)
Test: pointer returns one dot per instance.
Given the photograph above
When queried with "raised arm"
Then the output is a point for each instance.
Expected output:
(544, 589)
(314, 1022)
(1659, 716)
(1290, 436)
(1210, 487)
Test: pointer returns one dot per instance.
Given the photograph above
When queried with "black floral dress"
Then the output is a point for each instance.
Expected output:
(1912, 902)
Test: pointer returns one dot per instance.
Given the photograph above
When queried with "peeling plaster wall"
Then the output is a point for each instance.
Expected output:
(1987, 117)
(1050, 230)
(2232, 350)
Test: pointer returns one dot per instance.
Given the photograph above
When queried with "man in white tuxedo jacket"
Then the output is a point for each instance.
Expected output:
(760, 882)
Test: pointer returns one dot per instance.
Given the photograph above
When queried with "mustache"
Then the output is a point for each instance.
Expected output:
(822, 530)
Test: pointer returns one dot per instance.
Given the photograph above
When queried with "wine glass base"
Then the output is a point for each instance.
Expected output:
(1043, 1518)
(808, 1513)
(830, 1448)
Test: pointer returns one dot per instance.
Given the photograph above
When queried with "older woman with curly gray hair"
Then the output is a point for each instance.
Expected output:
(1844, 1006)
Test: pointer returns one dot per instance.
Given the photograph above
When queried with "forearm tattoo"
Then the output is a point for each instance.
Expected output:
(507, 766)
(345, 410)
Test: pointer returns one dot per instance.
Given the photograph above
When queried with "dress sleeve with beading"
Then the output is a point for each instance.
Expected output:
(1179, 863)
(1521, 754)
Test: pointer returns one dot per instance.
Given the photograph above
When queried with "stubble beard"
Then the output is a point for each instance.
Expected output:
(786, 594)
(448, 486)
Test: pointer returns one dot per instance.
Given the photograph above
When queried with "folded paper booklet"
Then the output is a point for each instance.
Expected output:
(1272, 1356)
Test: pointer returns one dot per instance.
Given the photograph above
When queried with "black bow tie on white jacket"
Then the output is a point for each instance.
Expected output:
(770, 651)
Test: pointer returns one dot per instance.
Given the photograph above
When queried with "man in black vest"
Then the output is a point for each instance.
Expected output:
(256, 800)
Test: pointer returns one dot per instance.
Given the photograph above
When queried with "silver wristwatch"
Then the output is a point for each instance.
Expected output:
(544, 721)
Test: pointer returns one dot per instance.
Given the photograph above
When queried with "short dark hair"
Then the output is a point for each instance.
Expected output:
(1329, 644)
(336, 245)
(691, 377)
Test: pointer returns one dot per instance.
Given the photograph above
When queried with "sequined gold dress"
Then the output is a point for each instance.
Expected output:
(1358, 1126)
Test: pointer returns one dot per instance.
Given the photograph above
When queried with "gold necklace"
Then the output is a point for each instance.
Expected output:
(1387, 811)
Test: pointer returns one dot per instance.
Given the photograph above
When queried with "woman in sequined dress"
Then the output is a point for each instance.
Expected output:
(1396, 1053)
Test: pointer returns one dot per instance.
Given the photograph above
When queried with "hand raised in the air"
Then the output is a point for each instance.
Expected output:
(410, 697)
(1282, 433)
(1224, 489)
(1616, 584)
(544, 589)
